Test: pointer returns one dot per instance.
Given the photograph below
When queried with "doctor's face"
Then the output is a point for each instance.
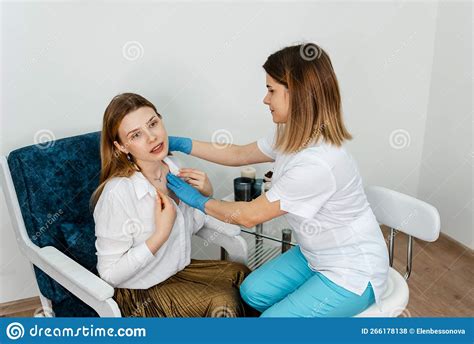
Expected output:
(142, 134)
(277, 99)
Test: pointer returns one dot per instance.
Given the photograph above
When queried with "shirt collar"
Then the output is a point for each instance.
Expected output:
(142, 186)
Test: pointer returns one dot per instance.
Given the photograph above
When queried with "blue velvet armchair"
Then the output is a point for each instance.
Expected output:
(47, 189)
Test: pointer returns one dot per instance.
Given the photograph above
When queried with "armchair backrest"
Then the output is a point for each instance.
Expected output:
(53, 184)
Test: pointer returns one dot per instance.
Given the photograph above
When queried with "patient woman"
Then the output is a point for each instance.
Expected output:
(144, 231)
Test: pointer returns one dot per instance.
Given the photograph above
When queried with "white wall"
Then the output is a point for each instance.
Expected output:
(201, 66)
(446, 163)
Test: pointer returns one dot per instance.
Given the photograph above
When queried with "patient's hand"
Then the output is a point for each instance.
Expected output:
(198, 179)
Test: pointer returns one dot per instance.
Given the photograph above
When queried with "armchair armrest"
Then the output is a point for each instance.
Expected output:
(88, 287)
(225, 235)
(236, 246)
(222, 227)
(67, 271)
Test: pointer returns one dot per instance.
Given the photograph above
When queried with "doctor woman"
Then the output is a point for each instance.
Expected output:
(340, 265)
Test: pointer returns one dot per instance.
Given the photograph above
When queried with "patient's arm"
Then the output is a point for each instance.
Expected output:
(229, 155)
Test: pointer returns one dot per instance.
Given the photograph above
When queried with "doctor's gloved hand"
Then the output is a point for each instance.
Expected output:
(180, 144)
(186, 192)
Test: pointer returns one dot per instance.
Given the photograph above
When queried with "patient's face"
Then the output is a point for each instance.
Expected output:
(142, 133)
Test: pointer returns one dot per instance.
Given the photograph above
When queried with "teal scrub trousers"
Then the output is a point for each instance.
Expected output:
(287, 287)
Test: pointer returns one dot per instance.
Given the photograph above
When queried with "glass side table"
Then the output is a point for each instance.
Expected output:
(265, 241)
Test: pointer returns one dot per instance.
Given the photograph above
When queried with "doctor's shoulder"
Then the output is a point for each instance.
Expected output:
(325, 154)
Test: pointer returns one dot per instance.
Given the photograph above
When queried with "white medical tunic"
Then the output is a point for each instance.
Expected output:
(321, 190)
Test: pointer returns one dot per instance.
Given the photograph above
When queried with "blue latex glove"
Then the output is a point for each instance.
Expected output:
(186, 192)
(180, 144)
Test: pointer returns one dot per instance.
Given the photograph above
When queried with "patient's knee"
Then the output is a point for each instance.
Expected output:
(237, 272)
(226, 305)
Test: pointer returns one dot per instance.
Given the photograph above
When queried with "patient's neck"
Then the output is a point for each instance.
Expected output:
(156, 173)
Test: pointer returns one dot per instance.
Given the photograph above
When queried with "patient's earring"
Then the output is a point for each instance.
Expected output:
(130, 159)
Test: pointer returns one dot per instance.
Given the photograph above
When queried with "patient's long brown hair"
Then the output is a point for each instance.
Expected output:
(114, 163)
(315, 109)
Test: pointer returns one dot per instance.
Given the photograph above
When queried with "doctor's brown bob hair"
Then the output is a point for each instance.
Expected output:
(315, 109)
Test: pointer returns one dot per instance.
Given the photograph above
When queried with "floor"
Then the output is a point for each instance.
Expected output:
(441, 283)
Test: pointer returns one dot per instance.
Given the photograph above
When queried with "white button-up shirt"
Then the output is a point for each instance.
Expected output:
(124, 220)
(321, 189)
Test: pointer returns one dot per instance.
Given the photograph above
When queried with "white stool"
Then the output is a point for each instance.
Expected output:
(413, 217)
